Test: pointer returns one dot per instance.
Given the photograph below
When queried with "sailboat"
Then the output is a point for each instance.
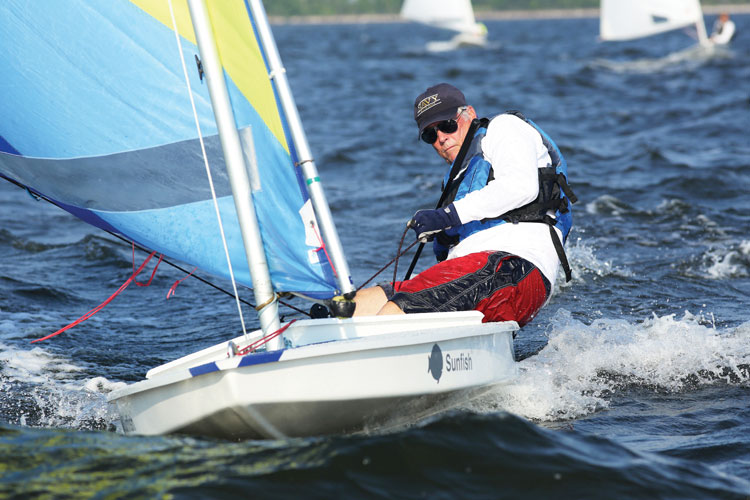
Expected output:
(453, 15)
(171, 124)
(622, 20)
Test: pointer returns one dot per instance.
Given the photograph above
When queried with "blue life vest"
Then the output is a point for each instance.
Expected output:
(554, 193)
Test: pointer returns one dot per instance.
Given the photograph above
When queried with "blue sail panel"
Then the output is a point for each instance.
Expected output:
(193, 226)
(97, 118)
(92, 78)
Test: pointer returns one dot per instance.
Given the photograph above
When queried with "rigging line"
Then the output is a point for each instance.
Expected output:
(103, 304)
(400, 244)
(395, 259)
(178, 267)
(208, 169)
(153, 273)
(173, 289)
(323, 247)
(255, 345)
(39, 196)
(189, 273)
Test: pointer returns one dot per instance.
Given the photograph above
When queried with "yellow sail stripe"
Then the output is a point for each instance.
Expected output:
(238, 49)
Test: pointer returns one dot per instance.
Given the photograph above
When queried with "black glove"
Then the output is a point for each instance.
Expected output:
(441, 251)
(427, 223)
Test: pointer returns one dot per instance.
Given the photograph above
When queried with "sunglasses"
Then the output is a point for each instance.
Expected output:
(429, 135)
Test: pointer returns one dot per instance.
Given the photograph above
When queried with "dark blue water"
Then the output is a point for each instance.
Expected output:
(635, 379)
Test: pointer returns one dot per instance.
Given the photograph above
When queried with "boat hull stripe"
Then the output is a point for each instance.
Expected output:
(260, 358)
(203, 369)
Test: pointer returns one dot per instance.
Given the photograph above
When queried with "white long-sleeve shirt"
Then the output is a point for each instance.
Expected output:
(723, 32)
(516, 151)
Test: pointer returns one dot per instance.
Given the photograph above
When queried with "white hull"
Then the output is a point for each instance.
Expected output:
(461, 40)
(341, 376)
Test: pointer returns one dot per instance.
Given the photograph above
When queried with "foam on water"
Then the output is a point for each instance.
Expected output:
(607, 204)
(583, 367)
(722, 263)
(688, 58)
(39, 388)
(583, 260)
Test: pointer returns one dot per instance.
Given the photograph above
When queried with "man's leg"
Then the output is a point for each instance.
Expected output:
(369, 301)
(390, 308)
(501, 286)
(372, 301)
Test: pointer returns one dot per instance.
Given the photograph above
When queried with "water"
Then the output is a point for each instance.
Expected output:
(635, 379)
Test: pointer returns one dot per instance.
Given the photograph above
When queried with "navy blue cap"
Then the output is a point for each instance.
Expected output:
(437, 103)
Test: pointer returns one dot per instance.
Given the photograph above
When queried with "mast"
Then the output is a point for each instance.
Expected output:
(237, 171)
(306, 162)
(700, 26)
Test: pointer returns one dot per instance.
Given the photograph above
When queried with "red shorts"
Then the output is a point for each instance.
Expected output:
(502, 286)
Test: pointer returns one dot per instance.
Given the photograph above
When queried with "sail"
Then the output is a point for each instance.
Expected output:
(455, 15)
(97, 118)
(630, 19)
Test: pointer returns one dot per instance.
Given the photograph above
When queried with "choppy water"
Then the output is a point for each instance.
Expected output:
(635, 379)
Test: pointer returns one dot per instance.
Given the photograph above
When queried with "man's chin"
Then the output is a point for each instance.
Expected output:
(450, 154)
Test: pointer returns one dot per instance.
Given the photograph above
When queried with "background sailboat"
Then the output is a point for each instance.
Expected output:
(631, 19)
(453, 15)
(122, 132)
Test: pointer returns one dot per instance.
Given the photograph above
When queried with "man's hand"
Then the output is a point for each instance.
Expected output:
(427, 223)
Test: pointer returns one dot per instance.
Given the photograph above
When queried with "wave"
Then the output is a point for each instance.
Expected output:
(583, 367)
(583, 261)
(454, 456)
(42, 389)
(726, 262)
(690, 58)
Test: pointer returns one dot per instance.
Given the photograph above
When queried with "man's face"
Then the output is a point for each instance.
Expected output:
(448, 145)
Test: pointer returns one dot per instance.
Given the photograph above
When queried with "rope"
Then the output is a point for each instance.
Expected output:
(395, 259)
(208, 169)
(153, 273)
(263, 340)
(101, 306)
(264, 304)
(400, 244)
(192, 273)
(166, 261)
(173, 289)
(323, 247)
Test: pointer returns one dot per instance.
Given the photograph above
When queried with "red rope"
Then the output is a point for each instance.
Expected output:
(101, 306)
(261, 341)
(323, 247)
(153, 273)
(171, 291)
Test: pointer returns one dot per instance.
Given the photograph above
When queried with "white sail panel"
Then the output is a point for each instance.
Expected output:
(455, 15)
(631, 19)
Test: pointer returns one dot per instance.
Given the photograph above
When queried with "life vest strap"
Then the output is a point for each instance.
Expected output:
(560, 252)
(563, 183)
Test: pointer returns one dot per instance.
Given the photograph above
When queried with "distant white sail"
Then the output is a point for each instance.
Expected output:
(631, 19)
(455, 15)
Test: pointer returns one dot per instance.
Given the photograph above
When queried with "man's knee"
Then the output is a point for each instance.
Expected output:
(369, 301)
(390, 308)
